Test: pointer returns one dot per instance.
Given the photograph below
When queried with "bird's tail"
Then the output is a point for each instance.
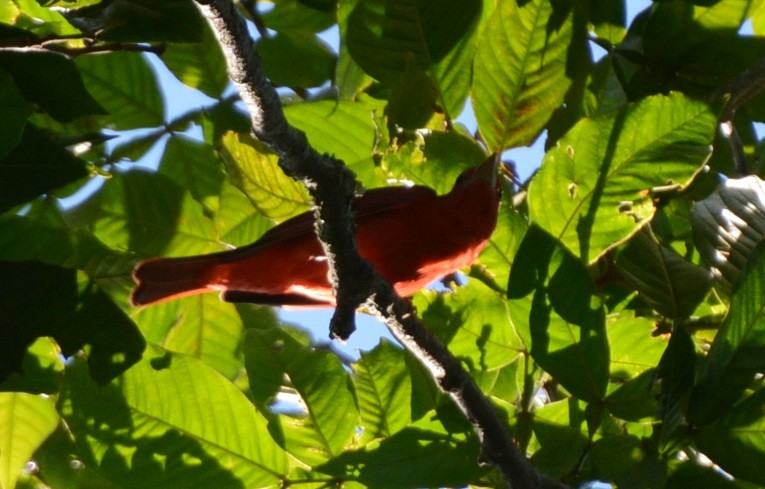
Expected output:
(161, 279)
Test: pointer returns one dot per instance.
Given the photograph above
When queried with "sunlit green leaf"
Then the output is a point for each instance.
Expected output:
(474, 323)
(387, 38)
(202, 327)
(254, 170)
(194, 166)
(344, 129)
(562, 438)
(593, 190)
(171, 418)
(383, 388)
(520, 73)
(331, 415)
(26, 420)
(147, 214)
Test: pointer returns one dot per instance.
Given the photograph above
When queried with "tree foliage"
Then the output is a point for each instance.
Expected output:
(590, 321)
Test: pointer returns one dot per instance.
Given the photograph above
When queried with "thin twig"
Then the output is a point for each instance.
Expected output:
(332, 187)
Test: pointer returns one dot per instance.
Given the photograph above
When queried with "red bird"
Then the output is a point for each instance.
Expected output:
(410, 234)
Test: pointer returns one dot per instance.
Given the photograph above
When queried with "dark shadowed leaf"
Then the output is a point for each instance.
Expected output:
(410, 458)
(737, 439)
(738, 350)
(140, 20)
(199, 64)
(555, 309)
(124, 84)
(60, 92)
(296, 60)
(46, 300)
(676, 374)
(389, 38)
(664, 280)
(37, 165)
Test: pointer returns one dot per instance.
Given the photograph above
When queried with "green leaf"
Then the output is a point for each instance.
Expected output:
(474, 323)
(296, 60)
(555, 309)
(200, 64)
(561, 437)
(663, 279)
(254, 170)
(634, 400)
(140, 20)
(170, 418)
(324, 387)
(46, 300)
(41, 370)
(737, 439)
(676, 373)
(412, 99)
(633, 349)
(26, 420)
(147, 214)
(37, 165)
(201, 327)
(387, 38)
(500, 251)
(350, 79)
(30, 15)
(384, 389)
(599, 176)
(520, 73)
(410, 458)
(436, 160)
(344, 129)
(692, 474)
(126, 86)
(60, 92)
(195, 166)
(298, 16)
(676, 27)
(238, 222)
(738, 350)
(29, 238)
(608, 19)
(16, 111)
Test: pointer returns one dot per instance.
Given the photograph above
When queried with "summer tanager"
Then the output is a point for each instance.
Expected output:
(410, 234)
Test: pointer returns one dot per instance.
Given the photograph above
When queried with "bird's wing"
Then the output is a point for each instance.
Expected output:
(375, 201)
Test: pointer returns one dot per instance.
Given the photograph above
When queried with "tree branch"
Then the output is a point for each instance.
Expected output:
(333, 187)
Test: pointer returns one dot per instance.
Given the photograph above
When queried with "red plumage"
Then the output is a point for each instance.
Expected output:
(410, 234)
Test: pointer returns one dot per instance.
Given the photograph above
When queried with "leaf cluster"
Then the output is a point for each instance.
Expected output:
(591, 320)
